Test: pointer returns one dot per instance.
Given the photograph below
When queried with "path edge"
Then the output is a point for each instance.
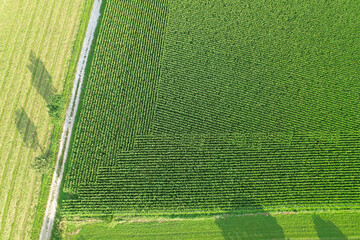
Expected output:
(50, 212)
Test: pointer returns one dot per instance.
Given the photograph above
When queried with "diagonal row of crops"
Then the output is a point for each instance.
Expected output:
(218, 106)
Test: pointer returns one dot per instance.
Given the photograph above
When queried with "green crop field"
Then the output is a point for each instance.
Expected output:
(218, 106)
(38, 50)
(197, 107)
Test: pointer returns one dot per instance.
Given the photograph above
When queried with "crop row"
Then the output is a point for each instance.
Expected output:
(118, 101)
(197, 108)
(163, 173)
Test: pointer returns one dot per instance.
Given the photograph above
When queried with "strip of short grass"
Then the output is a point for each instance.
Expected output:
(335, 225)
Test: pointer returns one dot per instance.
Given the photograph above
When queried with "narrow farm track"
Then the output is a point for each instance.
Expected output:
(19, 218)
(59, 62)
(50, 212)
(30, 27)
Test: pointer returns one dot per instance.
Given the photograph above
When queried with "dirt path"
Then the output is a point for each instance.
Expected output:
(50, 212)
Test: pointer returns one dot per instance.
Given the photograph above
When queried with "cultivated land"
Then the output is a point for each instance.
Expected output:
(209, 107)
(38, 50)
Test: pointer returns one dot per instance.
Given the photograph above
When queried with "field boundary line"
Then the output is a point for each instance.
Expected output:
(51, 206)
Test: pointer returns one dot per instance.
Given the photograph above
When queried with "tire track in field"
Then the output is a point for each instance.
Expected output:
(50, 212)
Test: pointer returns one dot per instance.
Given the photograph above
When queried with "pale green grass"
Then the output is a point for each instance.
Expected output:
(45, 30)
(336, 225)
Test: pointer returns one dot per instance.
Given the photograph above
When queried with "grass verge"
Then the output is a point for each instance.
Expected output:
(304, 225)
(78, 46)
(57, 127)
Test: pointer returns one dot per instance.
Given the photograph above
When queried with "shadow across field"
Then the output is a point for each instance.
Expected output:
(259, 225)
(40, 78)
(327, 230)
(27, 129)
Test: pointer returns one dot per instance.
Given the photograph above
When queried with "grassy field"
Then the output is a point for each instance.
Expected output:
(39, 47)
(218, 106)
(337, 225)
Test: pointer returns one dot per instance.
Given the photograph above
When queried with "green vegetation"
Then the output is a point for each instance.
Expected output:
(205, 107)
(56, 107)
(338, 225)
(225, 173)
(39, 46)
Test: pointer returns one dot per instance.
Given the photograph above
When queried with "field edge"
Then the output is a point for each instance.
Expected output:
(57, 128)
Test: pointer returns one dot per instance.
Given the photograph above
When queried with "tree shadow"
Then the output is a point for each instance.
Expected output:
(327, 230)
(27, 129)
(41, 78)
(260, 225)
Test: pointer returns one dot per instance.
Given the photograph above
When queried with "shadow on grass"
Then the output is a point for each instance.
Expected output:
(27, 129)
(28, 132)
(250, 226)
(41, 78)
(327, 230)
